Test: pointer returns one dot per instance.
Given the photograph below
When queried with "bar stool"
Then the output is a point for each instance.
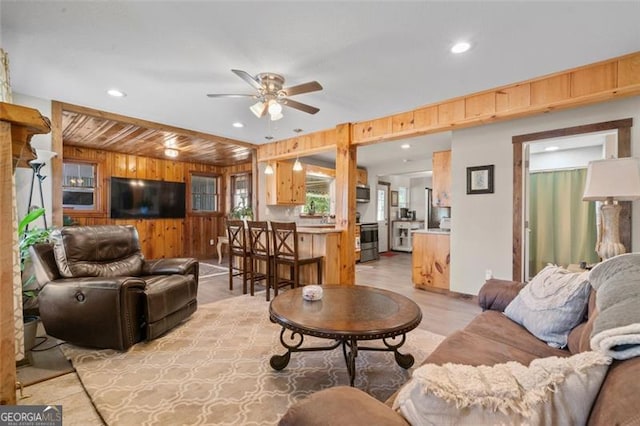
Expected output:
(285, 252)
(260, 252)
(238, 250)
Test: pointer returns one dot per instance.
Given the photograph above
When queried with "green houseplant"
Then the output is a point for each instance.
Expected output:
(30, 289)
(241, 211)
(27, 238)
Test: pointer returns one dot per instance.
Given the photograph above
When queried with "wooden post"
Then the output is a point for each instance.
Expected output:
(56, 164)
(17, 125)
(346, 202)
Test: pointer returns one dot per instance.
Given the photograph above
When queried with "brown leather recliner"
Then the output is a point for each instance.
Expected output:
(99, 291)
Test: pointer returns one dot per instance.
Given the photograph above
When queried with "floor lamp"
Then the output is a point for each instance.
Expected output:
(612, 180)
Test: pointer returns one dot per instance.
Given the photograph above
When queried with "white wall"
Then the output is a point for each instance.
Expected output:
(569, 158)
(481, 236)
(23, 175)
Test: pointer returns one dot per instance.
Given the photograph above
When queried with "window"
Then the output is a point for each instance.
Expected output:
(381, 205)
(241, 191)
(319, 196)
(79, 186)
(204, 193)
(403, 196)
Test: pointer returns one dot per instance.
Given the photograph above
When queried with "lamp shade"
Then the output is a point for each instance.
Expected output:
(617, 178)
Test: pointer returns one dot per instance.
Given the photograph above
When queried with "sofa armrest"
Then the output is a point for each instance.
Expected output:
(101, 312)
(341, 405)
(177, 265)
(495, 294)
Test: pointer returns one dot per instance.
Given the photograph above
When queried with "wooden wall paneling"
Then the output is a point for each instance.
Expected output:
(132, 166)
(297, 146)
(119, 165)
(594, 79)
(629, 71)
(551, 89)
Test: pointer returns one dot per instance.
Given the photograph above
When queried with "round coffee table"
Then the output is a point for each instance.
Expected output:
(346, 314)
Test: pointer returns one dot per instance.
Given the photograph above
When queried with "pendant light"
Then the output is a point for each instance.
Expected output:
(268, 170)
(297, 166)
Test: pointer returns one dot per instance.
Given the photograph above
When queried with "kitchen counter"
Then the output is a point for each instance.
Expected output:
(317, 230)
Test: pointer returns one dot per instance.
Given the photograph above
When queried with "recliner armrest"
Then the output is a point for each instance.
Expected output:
(495, 294)
(101, 312)
(178, 265)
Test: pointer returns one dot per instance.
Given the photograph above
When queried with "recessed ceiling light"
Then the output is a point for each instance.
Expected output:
(551, 148)
(116, 93)
(460, 47)
(268, 137)
(405, 146)
(238, 125)
(298, 130)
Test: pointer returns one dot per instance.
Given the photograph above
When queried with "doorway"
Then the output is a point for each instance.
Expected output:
(520, 240)
(382, 215)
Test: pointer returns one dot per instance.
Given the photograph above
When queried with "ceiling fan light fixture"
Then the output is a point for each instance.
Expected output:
(258, 108)
(274, 108)
(276, 117)
(171, 153)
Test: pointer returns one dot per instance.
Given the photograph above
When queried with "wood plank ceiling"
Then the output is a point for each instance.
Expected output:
(88, 131)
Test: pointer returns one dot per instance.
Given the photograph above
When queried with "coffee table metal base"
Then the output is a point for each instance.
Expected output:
(350, 351)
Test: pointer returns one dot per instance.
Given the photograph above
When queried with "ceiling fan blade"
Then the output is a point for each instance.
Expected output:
(311, 86)
(248, 78)
(299, 105)
(228, 95)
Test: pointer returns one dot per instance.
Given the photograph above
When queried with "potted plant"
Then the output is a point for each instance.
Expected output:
(241, 211)
(30, 289)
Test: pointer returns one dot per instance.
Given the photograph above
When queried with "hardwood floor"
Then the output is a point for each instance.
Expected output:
(442, 313)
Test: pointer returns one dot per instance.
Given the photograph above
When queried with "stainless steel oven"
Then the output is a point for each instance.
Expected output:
(369, 242)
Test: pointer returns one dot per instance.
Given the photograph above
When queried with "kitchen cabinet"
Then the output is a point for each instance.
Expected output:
(362, 178)
(286, 186)
(402, 234)
(431, 260)
(441, 179)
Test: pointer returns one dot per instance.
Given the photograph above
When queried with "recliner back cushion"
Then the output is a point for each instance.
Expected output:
(97, 251)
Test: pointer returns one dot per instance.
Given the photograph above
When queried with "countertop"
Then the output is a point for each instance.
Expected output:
(432, 231)
(316, 230)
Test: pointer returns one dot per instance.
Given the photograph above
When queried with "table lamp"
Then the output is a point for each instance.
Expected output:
(612, 180)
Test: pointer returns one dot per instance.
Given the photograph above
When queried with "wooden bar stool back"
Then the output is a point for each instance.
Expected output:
(238, 253)
(286, 252)
(260, 253)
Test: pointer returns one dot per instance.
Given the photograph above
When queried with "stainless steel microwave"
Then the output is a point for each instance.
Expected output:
(363, 194)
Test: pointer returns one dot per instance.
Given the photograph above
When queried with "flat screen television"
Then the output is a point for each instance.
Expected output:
(150, 199)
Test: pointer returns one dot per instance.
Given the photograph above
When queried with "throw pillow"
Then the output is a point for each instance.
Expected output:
(552, 304)
(551, 390)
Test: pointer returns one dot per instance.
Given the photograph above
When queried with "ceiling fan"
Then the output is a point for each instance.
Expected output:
(272, 95)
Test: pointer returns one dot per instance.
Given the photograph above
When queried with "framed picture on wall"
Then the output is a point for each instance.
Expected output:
(394, 198)
(480, 180)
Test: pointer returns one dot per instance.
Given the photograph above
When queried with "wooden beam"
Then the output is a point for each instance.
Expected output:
(611, 79)
(7, 322)
(153, 125)
(21, 123)
(298, 146)
(56, 163)
(346, 202)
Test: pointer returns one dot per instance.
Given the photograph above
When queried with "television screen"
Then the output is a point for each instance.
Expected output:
(139, 198)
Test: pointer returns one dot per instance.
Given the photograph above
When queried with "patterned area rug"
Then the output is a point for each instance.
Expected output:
(207, 270)
(214, 369)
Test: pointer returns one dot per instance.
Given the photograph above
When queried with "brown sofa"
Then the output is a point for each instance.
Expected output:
(489, 339)
(98, 290)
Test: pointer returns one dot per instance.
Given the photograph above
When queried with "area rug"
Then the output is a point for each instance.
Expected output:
(214, 369)
(207, 270)
(388, 254)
